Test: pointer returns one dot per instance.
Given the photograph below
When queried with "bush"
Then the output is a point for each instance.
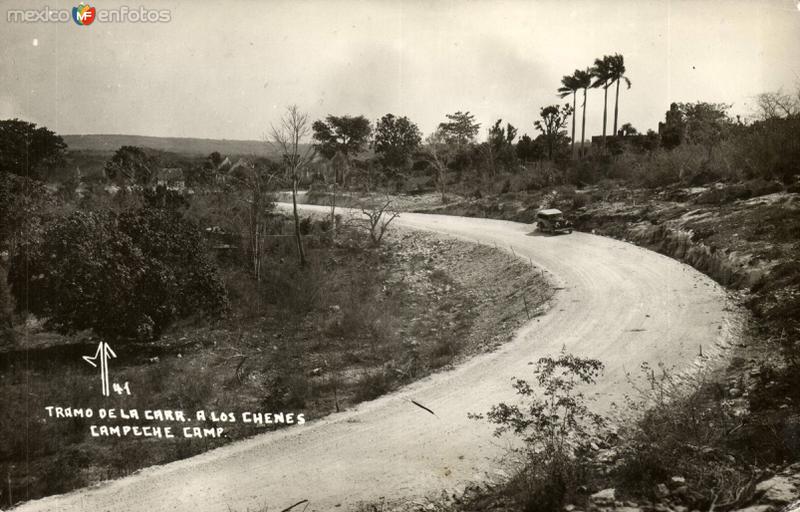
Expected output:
(556, 429)
(442, 352)
(66, 471)
(6, 311)
(679, 427)
(687, 164)
(372, 385)
(289, 390)
(771, 149)
(126, 276)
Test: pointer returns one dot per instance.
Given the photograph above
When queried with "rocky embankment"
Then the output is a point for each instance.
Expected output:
(776, 490)
(733, 268)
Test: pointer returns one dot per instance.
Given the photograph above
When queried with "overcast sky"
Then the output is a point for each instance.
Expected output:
(226, 69)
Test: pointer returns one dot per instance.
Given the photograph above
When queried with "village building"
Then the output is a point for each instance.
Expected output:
(172, 178)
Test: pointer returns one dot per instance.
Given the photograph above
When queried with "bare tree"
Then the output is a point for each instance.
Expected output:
(332, 188)
(257, 226)
(378, 219)
(437, 152)
(771, 105)
(251, 191)
(288, 138)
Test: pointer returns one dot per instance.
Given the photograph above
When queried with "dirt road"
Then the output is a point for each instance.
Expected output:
(615, 302)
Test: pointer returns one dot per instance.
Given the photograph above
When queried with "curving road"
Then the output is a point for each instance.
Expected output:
(616, 302)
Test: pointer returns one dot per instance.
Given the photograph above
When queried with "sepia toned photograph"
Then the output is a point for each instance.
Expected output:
(400, 256)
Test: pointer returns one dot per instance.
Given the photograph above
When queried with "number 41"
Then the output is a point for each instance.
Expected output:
(123, 389)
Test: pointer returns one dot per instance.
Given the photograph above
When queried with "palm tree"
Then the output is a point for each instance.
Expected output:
(603, 78)
(569, 86)
(583, 80)
(617, 69)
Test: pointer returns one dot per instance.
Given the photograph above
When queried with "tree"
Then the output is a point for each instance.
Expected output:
(346, 134)
(215, 158)
(499, 146)
(603, 77)
(529, 149)
(253, 182)
(26, 150)
(164, 198)
(553, 120)
(499, 136)
(583, 79)
(702, 123)
(126, 276)
(628, 130)
(460, 129)
(130, 164)
(396, 140)
(570, 86)
(777, 104)
(200, 175)
(438, 153)
(706, 123)
(617, 71)
(651, 140)
(288, 138)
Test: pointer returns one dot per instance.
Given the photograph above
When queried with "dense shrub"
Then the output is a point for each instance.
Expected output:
(771, 149)
(23, 202)
(125, 276)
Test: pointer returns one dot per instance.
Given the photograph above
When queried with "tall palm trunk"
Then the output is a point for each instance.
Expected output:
(616, 108)
(574, 103)
(583, 123)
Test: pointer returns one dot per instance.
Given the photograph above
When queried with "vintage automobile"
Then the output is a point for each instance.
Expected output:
(552, 221)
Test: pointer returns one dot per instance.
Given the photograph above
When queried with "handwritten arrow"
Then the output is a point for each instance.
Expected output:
(105, 353)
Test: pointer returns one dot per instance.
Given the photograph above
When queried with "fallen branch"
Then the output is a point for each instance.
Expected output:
(422, 406)
(287, 509)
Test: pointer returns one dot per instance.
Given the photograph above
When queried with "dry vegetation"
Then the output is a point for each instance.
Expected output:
(359, 321)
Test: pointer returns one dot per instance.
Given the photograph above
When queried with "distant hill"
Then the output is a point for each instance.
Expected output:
(179, 145)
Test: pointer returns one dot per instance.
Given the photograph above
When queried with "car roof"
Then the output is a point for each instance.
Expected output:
(550, 211)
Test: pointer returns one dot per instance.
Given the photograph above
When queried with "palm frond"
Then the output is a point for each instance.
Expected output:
(583, 79)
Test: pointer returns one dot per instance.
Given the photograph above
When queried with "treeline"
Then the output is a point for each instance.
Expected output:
(696, 144)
